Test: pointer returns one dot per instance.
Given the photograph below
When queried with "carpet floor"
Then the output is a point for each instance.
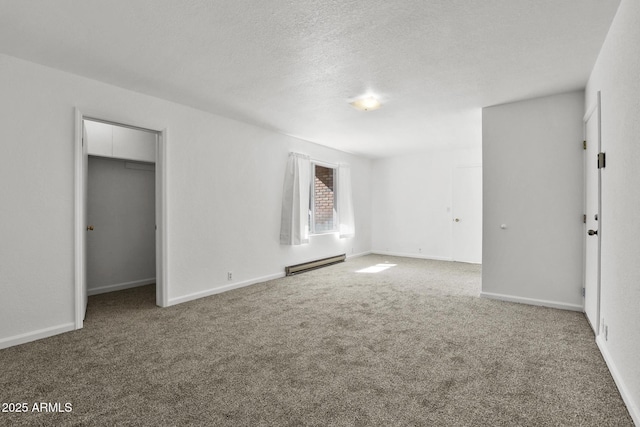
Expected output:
(409, 345)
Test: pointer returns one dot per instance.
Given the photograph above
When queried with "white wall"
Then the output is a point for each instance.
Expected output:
(412, 201)
(532, 177)
(121, 207)
(616, 75)
(224, 187)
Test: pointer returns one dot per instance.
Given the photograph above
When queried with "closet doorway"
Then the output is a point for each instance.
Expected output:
(119, 209)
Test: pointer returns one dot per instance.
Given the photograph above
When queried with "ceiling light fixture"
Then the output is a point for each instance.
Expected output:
(367, 103)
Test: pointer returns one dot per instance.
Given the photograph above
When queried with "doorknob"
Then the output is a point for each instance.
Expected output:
(90, 228)
(457, 220)
(592, 232)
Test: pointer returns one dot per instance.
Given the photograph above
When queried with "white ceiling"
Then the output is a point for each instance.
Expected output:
(293, 66)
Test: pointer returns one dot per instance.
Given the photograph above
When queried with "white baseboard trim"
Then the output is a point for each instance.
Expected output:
(409, 255)
(36, 335)
(358, 255)
(532, 301)
(225, 288)
(632, 407)
(120, 286)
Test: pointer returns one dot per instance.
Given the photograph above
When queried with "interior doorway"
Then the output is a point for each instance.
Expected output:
(121, 216)
(112, 143)
(467, 214)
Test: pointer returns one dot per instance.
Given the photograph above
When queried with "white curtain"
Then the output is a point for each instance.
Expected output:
(294, 226)
(345, 203)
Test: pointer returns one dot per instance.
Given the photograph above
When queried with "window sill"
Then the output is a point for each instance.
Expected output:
(323, 233)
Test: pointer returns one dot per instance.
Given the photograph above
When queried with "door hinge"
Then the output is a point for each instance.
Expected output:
(602, 160)
(584, 218)
(584, 145)
(583, 291)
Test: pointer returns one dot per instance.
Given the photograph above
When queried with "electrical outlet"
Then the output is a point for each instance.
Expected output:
(230, 275)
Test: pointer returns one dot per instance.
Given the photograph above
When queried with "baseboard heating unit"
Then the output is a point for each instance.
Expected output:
(312, 265)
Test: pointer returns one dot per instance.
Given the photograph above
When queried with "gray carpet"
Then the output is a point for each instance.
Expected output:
(410, 345)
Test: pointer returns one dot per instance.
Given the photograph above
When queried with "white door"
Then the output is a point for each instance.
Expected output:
(593, 219)
(467, 214)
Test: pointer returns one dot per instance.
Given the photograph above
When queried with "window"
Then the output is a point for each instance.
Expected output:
(322, 203)
(316, 199)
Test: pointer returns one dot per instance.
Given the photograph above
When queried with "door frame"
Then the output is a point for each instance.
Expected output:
(594, 109)
(162, 295)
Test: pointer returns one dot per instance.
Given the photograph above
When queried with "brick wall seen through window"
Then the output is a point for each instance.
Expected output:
(324, 199)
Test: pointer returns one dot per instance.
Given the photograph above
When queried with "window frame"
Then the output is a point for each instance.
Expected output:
(312, 198)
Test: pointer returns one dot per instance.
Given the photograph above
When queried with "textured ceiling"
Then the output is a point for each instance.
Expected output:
(294, 65)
